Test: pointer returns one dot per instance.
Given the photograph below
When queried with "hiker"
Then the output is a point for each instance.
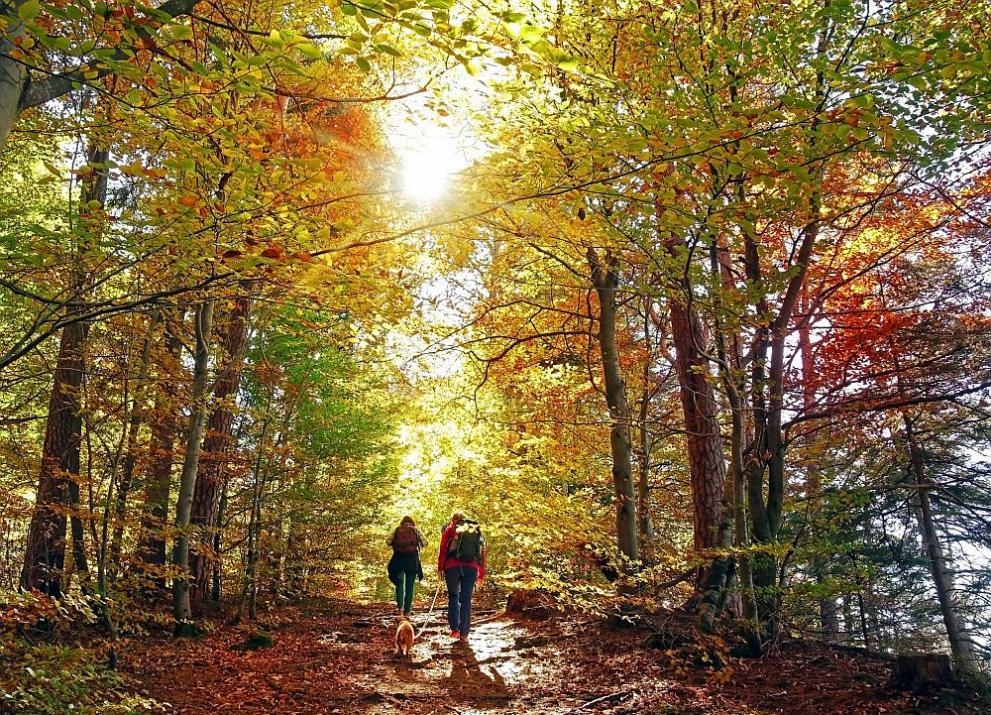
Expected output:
(462, 564)
(406, 541)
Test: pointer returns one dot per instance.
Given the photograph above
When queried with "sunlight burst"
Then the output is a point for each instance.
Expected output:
(429, 167)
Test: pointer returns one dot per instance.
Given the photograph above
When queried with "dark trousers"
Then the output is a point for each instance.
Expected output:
(460, 585)
(404, 569)
(405, 584)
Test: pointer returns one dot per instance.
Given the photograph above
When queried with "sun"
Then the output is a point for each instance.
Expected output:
(430, 163)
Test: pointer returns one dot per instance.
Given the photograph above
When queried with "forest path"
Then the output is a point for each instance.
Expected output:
(337, 657)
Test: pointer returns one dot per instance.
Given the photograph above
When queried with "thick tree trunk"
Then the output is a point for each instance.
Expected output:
(58, 492)
(707, 464)
(44, 557)
(181, 608)
(605, 279)
(960, 646)
(705, 448)
(216, 444)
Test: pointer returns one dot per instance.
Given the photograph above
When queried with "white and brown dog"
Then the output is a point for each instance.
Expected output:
(404, 637)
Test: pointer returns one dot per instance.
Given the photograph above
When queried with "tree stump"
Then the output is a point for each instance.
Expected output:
(922, 673)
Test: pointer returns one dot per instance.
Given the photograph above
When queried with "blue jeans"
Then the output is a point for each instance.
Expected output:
(460, 585)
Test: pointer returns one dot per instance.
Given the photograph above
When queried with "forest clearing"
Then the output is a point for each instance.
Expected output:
(665, 321)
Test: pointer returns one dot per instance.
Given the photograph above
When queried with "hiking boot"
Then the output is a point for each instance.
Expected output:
(455, 636)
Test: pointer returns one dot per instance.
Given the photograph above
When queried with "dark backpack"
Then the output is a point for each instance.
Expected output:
(467, 542)
(405, 541)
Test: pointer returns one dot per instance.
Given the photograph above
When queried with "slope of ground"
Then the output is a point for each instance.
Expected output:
(338, 658)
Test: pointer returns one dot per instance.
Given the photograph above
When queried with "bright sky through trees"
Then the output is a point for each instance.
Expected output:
(429, 165)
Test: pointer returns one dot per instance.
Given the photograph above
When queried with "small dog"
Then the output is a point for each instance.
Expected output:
(404, 637)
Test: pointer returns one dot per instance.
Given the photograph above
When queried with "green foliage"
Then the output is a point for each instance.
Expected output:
(57, 679)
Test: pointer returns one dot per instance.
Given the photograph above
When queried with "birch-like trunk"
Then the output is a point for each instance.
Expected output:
(605, 279)
(181, 608)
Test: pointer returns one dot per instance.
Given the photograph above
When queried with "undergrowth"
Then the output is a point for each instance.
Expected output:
(58, 679)
(50, 665)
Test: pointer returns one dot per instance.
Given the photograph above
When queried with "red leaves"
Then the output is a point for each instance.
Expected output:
(273, 252)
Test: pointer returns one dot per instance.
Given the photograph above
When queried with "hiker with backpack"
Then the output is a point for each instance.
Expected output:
(462, 564)
(406, 541)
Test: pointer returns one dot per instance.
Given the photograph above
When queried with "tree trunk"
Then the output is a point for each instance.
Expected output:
(58, 483)
(605, 279)
(645, 529)
(44, 557)
(250, 594)
(181, 608)
(960, 646)
(293, 558)
(80, 563)
(698, 402)
(13, 74)
(765, 470)
(732, 375)
(217, 570)
(151, 548)
(135, 421)
(217, 441)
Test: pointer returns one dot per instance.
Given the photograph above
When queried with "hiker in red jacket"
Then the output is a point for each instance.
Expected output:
(462, 564)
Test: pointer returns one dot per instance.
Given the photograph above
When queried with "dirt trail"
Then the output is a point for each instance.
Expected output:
(334, 660)
(338, 658)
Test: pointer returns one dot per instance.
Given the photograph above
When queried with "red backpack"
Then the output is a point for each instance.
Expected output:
(405, 541)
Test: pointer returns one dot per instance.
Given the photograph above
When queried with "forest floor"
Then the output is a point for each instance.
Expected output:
(333, 657)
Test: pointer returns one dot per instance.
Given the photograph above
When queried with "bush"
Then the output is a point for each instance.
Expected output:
(55, 680)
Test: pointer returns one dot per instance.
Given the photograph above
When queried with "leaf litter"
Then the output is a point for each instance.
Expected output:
(337, 657)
